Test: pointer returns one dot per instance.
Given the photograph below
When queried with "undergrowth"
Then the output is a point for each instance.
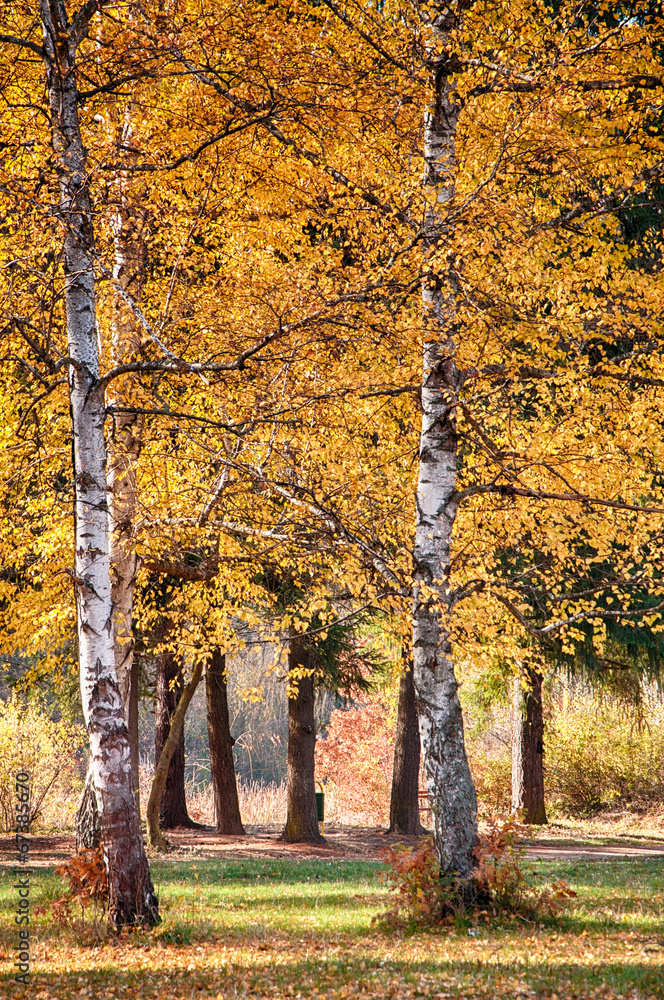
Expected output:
(501, 882)
(85, 873)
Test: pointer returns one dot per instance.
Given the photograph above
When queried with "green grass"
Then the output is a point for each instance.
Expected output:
(273, 928)
(270, 895)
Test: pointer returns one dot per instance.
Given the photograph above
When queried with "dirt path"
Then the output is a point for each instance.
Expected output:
(342, 843)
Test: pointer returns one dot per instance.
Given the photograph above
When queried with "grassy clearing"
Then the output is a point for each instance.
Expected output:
(272, 928)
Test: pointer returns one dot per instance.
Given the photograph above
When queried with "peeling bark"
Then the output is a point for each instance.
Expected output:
(404, 799)
(449, 782)
(131, 893)
(528, 750)
(124, 443)
(301, 817)
(222, 766)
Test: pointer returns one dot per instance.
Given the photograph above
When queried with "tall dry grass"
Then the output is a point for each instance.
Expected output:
(265, 805)
(260, 805)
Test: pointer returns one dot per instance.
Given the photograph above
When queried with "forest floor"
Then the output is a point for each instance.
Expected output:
(298, 928)
(571, 841)
(255, 918)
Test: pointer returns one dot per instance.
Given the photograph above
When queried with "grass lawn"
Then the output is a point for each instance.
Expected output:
(272, 928)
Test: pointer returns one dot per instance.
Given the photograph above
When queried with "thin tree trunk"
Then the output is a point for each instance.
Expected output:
(131, 893)
(301, 814)
(404, 800)
(222, 765)
(173, 804)
(124, 440)
(124, 448)
(528, 750)
(155, 836)
(449, 782)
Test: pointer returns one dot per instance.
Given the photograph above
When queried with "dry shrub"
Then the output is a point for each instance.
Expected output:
(511, 886)
(260, 805)
(492, 777)
(85, 873)
(47, 750)
(355, 763)
(413, 875)
(503, 884)
(265, 805)
(598, 754)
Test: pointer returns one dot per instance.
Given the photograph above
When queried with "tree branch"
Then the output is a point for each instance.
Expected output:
(186, 157)
(24, 43)
(507, 490)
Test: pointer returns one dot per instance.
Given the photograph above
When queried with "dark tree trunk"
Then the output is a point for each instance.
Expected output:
(88, 826)
(222, 766)
(301, 817)
(404, 803)
(528, 750)
(132, 727)
(173, 808)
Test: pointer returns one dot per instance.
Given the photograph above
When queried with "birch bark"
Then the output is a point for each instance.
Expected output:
(131, 892)
(449, 782)
(125, 443)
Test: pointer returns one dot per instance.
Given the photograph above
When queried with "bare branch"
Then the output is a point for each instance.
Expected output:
(81, 22)
(507, 490)
(47, 392)
(546, 630)
(275, 132)
(363, 34)
(603, 206)
(397, 391)
(204, 571)
(24, 43)
(186, 157)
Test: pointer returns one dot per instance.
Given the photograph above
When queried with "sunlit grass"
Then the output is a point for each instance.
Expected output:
(283, 928)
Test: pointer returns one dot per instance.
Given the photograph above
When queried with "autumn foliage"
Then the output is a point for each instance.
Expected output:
(85, 873)
(355, 757)
(504, 883)
(255, 176)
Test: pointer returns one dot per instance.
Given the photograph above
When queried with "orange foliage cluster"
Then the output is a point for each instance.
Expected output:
(356, 756)
(86, 874)
(423, 895)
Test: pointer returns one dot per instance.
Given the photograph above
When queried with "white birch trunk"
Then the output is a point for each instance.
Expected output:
(130, 888)
(124, 446)
(449, 782)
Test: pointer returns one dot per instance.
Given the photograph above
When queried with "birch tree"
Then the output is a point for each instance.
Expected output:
(124, 440)
(131, 893)
(449, 782)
